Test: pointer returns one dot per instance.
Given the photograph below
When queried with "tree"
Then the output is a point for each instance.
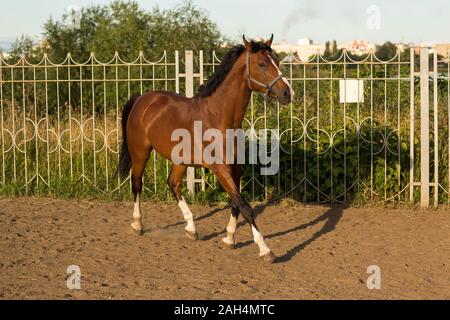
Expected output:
(327, 52)
(386, 51)
(104, 29)
(120, 26)
(24, 46)
(186, 27)
(332, 52)
(334, 49)
(128, 29)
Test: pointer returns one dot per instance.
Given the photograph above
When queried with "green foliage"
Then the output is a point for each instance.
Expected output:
(24, 47)
(386, 51)
(185, 27)
(126, 28)
(121, 27)
(327, 53)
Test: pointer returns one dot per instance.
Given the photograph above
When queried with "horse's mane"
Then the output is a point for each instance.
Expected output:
(225, 67)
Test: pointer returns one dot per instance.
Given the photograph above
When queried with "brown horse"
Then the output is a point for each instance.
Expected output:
(149, 121)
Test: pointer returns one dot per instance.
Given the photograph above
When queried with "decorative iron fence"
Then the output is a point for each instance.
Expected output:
(352, 133)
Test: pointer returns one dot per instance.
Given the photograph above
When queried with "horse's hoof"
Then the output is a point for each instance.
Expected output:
(191, 235)
(269, 257)
(136, 230)
(227, 245)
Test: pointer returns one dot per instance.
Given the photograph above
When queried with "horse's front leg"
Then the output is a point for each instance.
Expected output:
(225, 176)
(230, 239)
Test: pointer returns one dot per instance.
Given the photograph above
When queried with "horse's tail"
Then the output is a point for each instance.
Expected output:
(125, 158)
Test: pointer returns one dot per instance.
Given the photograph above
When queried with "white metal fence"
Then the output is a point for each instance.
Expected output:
(60, 133)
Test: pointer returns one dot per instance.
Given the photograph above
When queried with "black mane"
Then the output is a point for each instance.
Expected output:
(225, 67)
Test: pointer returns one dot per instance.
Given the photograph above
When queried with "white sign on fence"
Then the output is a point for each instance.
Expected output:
(351, 91)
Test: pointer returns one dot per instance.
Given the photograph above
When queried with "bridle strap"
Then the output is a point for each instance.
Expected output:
(268, 86)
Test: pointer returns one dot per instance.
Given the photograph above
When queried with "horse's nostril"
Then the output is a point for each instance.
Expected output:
(286, 93)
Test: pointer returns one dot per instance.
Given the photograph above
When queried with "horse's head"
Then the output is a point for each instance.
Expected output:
(263, 71)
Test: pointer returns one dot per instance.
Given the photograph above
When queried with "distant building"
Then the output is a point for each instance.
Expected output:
(443, 49)
(5, 55)
(358, 47)
(304, 48)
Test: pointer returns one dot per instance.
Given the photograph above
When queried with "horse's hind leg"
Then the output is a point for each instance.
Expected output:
(175, 181)
(137, 170)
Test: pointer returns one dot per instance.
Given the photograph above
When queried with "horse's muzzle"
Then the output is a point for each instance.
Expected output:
(285, 95)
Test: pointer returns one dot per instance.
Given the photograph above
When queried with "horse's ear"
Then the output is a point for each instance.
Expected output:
(269, 42)
(246, 43)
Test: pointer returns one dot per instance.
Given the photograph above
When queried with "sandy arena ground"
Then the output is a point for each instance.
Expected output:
(323, 252)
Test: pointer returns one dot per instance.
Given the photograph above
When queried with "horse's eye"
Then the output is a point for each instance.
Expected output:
(263, 65)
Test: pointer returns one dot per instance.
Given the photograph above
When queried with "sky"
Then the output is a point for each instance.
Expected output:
(419, 21)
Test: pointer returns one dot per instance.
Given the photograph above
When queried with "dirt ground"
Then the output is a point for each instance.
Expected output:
(323, 252)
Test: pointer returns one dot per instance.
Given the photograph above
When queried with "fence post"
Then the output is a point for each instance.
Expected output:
(424, 129)
(435, 128)
(189, 76)
(2, 182)
(411, 126)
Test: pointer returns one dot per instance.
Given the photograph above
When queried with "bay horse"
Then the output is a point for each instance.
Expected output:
(148, 122)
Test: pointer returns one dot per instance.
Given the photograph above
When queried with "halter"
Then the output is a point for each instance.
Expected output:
(250, 79)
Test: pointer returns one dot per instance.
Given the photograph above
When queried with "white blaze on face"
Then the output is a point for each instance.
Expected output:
(285, 81)
(187, 214)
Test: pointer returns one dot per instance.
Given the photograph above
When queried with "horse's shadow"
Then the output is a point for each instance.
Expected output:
(331, 217)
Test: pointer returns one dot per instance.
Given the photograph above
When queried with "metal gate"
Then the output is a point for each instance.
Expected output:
(360, 129)
(422, 120)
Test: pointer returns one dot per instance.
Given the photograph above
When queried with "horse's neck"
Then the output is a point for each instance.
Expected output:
(231, 98)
